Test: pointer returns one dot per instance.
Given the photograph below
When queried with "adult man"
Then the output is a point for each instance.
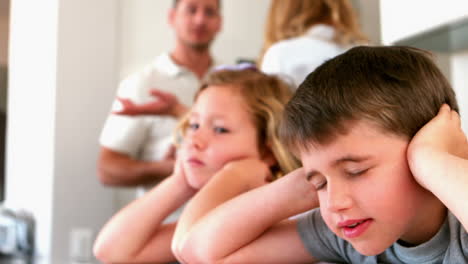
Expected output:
(133, 149)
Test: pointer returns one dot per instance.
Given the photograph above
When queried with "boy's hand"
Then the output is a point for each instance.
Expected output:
(252, 173)
(441, 135)
(303, 192)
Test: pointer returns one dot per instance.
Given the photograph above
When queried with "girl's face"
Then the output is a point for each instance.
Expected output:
(220, 130)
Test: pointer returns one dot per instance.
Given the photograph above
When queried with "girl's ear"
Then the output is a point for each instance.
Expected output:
(268, 157)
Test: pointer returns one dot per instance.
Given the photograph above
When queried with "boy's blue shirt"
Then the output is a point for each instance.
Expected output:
(449, 245)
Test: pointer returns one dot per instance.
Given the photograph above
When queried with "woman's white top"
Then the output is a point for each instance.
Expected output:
(293, 59)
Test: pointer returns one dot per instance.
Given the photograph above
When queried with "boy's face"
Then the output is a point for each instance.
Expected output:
(367, 193)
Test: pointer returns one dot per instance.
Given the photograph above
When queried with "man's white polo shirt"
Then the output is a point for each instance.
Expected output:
(148, 138)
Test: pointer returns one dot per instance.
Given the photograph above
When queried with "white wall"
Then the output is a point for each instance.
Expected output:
(31, 106)
(369, 19)
(459, 80)
(144, 31)
(62, 69)
(402, 18)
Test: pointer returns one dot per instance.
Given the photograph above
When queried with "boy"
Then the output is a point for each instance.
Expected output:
(387, 193)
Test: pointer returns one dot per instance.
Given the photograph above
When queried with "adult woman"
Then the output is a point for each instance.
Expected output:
(302, 34)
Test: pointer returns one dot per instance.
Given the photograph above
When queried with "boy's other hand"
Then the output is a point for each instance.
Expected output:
(442, 135)
(302, 189)
(252, 172)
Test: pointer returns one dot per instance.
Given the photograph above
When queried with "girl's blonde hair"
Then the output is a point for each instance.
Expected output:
(292, 18)
(265, 97)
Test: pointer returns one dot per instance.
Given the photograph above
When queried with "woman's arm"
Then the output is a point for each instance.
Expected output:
(438, 158)
(135, 233)
(217, 229)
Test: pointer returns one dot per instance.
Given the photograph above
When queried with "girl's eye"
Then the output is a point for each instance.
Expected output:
(194, 126)
(220, 130)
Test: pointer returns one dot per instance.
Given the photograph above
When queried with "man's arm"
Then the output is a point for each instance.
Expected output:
(438, 158)
(117, 169)
(247, 228)
(163, 104)
(135, 234)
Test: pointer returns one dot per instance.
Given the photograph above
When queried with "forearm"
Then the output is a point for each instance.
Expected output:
(215, 192)
(446, 176)
(131, 230)
(253, 213)
(120, 170)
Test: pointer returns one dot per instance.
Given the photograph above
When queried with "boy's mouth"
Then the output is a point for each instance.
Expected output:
(354, 227)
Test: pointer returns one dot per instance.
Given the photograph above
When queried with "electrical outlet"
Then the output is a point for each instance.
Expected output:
(81, 244)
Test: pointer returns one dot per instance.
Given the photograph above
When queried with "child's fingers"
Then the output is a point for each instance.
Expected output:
(456, 117)
(444, 109)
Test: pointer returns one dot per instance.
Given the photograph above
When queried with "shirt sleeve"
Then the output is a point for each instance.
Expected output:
(122, 133)
(270, 62)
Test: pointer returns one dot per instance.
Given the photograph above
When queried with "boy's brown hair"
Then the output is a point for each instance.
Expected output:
(398, 88)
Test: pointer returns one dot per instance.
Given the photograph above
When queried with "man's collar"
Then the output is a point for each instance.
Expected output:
(167, 65)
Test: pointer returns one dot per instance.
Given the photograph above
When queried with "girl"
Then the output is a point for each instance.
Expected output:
(233, 122)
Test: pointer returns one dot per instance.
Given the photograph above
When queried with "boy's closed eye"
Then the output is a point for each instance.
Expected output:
(356, 172)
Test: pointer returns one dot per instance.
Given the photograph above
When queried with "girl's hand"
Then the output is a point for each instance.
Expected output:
(180, 176)
(441, 135)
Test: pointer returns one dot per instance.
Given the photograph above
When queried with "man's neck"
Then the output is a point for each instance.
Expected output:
(197, 61)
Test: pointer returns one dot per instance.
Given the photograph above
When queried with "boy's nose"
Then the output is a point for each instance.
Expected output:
(339, 198)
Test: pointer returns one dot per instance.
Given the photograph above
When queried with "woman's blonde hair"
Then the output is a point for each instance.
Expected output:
(292, 18)
(265, 97)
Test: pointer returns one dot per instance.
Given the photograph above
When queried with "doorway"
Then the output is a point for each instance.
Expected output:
(4, 38)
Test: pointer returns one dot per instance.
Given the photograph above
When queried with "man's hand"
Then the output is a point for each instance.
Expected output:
(165, 104)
